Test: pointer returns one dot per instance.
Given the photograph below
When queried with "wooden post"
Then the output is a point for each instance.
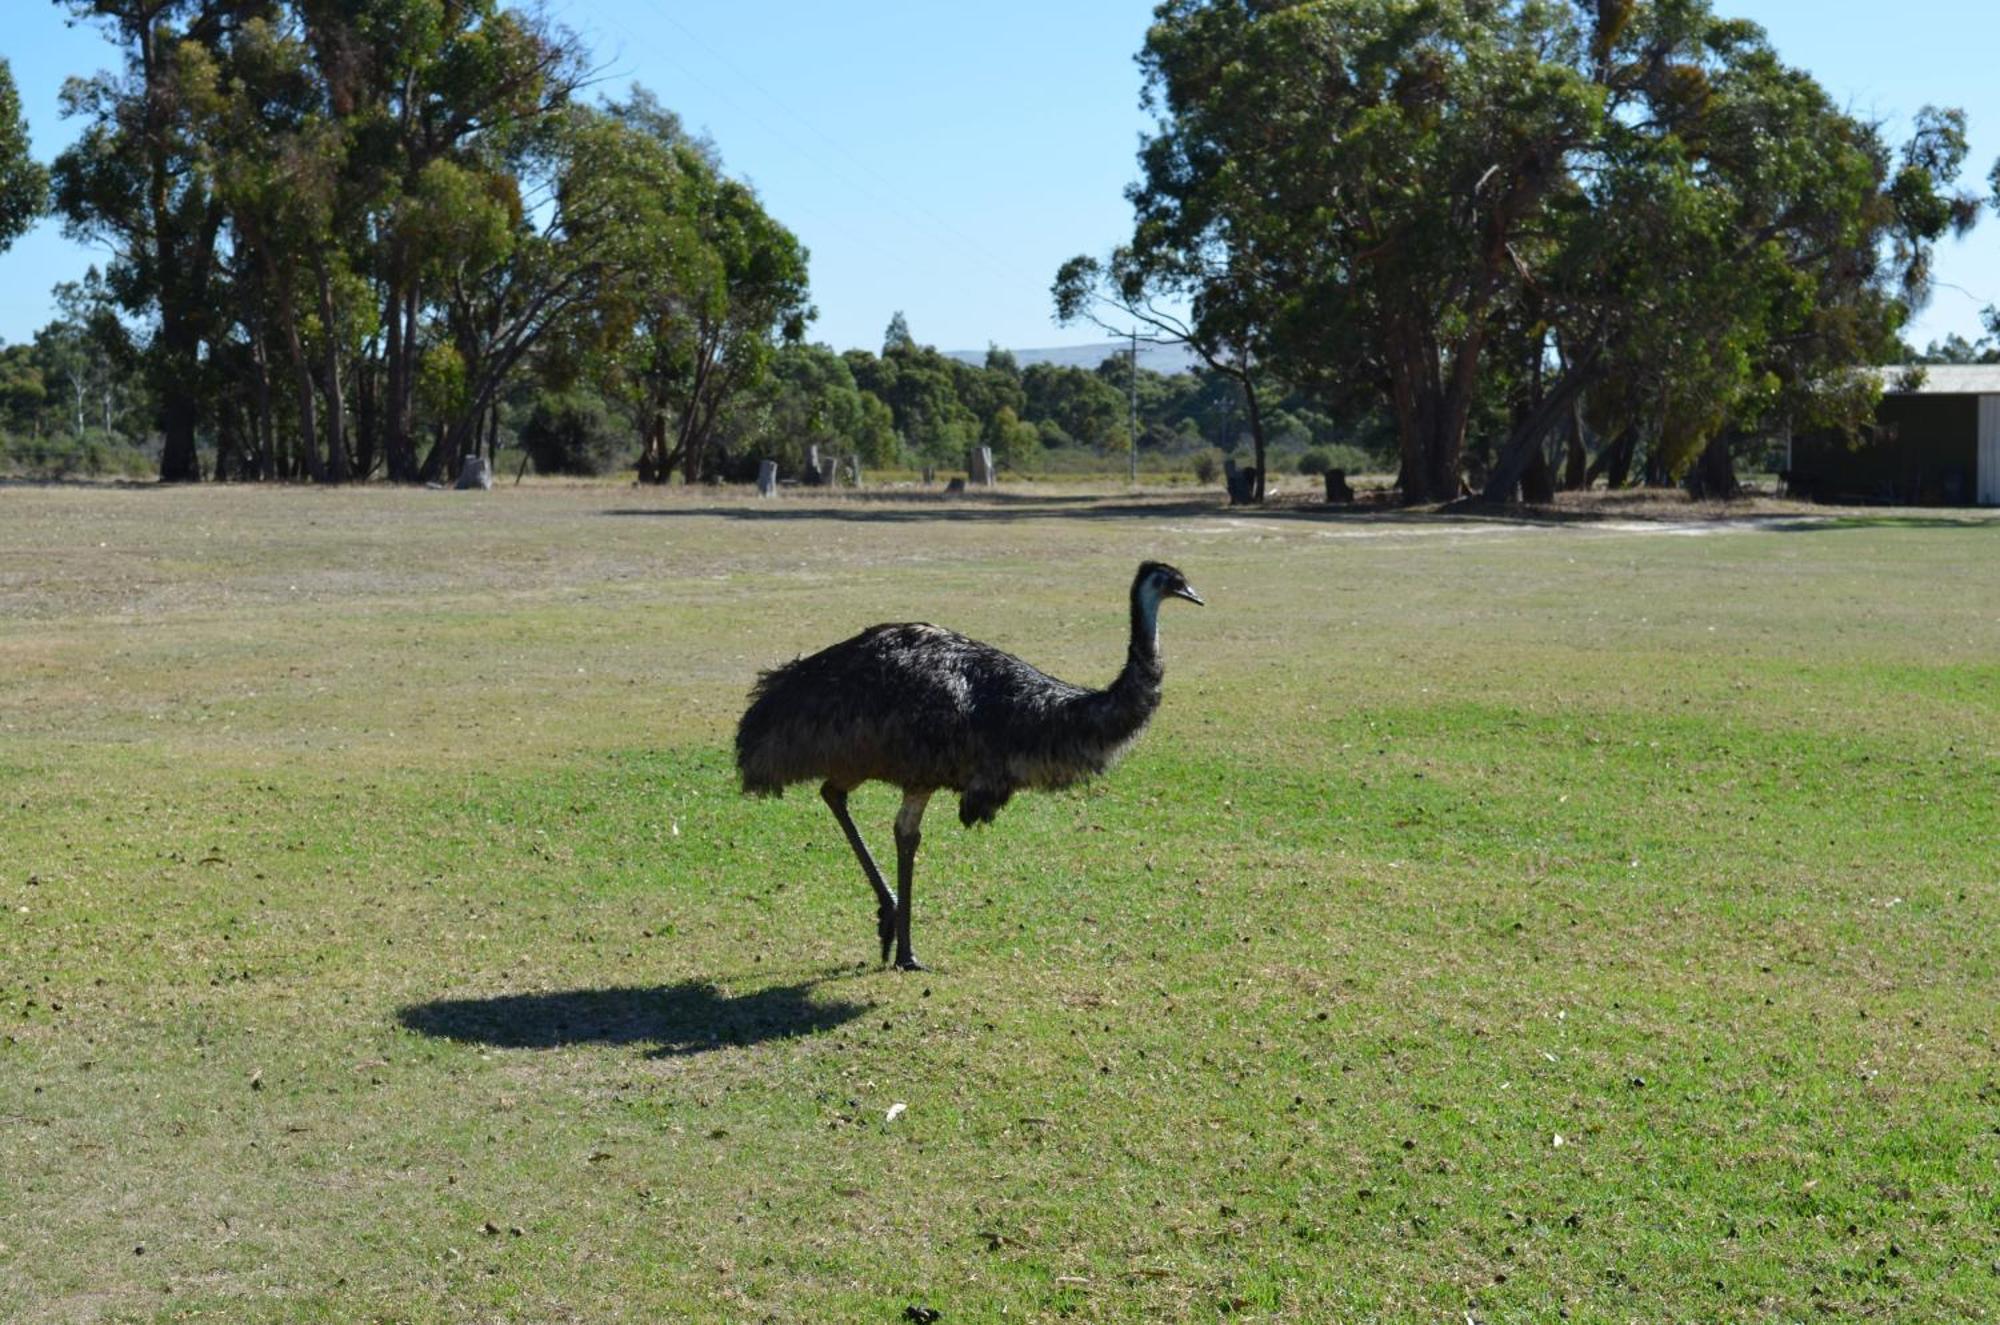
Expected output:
(979, 467)
(767, 478)
(474, 473)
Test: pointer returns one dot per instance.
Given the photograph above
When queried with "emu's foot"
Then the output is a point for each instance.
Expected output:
(908, 962)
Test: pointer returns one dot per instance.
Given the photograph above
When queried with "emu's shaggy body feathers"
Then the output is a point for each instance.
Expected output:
(926, 709)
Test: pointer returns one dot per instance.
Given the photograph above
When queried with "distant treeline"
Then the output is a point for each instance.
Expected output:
(348, 232)
(1503, 247)
(369, 238)
(912, 406)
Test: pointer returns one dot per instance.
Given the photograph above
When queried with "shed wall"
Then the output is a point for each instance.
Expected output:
(1925, 451)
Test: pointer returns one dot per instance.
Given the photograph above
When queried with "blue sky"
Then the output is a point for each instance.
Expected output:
(943, 158)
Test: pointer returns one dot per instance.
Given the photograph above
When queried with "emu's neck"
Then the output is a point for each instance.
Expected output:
(1129, 701)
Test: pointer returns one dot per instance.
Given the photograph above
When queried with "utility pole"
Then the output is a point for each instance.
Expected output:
(1132, 388)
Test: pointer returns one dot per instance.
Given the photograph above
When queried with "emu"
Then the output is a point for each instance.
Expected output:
(926, 709)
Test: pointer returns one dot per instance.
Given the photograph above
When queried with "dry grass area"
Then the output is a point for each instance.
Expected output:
(1505, 919)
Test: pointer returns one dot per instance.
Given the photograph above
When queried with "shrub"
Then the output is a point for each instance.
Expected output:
(96, 454)
(571, 434)
(1205, 467)
(1315, 462)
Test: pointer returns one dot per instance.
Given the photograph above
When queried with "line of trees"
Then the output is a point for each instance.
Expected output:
(345, 233)
(1527, 243)
(914, 406)
(370, 238)
(1514, 225)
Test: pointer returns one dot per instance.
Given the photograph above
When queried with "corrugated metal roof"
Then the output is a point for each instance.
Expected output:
(1945, 379)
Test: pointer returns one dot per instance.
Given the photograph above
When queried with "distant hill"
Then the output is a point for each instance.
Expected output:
(1168, 359)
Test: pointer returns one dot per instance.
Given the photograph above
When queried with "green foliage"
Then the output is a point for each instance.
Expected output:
(92, 453)
(24, 184)
(921, 388)
(709, 287)
(808, 399)
(1086, 407)
(1014, 443)
(572, 433)
(1640, 194)
(897, 339)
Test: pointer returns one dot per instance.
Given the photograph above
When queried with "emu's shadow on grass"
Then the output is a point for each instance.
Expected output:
(687, 1018)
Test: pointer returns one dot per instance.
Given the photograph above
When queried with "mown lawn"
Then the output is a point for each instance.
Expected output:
(1499, 920)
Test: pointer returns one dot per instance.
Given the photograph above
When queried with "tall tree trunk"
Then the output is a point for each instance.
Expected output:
(1431, 415)
(1254, 412)
(228, 445)
(1614, 462)
(1576, 462)
(1713, 477)
(307, 454)
(180, 416)
(330, 376)
(399, 422)
(1524, 445)
(261, 422)
(367, 422)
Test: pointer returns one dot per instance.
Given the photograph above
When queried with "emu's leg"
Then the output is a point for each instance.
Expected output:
(885, 905)
(909, 820)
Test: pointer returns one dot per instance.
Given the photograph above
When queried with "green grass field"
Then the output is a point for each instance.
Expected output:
(1498, 921)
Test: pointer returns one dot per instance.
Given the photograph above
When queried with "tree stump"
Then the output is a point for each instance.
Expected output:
(767, 478)
(1336, 486)
(1242, 483)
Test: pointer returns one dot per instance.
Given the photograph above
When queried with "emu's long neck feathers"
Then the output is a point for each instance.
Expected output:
(1115, 714)
(1142, 656)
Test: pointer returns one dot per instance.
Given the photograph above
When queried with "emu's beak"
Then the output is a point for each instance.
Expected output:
(1187, 591)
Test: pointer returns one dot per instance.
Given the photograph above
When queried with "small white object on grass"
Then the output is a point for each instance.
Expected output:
(895, 1112)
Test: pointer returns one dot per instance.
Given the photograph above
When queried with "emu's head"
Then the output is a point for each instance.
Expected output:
(1157, 580)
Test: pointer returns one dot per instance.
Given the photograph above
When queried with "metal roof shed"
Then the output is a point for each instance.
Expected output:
(1936, 442)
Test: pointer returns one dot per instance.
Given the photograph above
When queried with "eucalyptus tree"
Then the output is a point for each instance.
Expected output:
(749, 295)
(920, 387)
(87, 354)
(24, 183)
(610, 256)
(277, 156)
(431, 99)
(1734, 250)
(810, 398)
(1446, 203)
(707, 284)
(133, 183)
